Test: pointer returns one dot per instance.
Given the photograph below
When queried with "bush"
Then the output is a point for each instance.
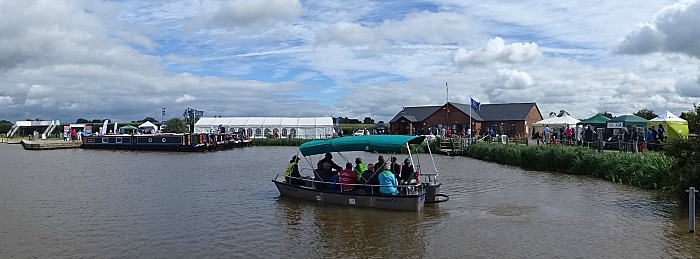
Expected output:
(685, 172)
(648, 170)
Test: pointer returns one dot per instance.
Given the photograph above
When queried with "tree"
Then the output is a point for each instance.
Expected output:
(693, 118)
(606, 114)
(81, 120)
(349, 121)
(5, 126)
(151, 119)
(175, 125)
(646, 114)
(368, 120)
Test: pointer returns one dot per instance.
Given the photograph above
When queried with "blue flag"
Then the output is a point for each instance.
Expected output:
(475, 105)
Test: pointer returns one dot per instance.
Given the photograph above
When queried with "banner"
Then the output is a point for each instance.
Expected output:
(615, 125)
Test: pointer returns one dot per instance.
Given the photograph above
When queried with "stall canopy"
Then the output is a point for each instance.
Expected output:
(626, 121)
(261, 127)
(598, 121)
(557, 121)
(147, 124)
(675, 127)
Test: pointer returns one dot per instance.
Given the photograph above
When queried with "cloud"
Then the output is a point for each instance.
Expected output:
(422, 27)
(184, 98)
(6, 100)
(496, 51)
(674, 29)
(248, 12)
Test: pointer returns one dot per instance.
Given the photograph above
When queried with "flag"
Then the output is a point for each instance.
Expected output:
(475, 105)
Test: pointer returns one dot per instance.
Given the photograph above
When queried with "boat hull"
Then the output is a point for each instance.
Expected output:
(413, 202)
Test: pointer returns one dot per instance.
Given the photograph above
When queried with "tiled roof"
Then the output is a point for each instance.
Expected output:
(487, 112)
(415, 114)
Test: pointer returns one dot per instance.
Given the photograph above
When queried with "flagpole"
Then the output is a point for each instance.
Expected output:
(470, 117)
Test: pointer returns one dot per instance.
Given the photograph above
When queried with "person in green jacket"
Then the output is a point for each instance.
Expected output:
(360, 168)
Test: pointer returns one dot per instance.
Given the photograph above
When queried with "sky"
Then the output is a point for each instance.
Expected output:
(126, 60)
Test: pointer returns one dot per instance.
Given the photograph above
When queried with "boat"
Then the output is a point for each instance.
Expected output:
(412, 197)
(183, 142)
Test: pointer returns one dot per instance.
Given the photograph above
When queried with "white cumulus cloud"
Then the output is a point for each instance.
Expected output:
(497, 51)
(184, 98)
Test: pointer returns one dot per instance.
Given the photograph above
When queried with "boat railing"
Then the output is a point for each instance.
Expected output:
(404, 189)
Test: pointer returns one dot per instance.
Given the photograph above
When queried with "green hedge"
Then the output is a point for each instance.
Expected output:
(650, 170)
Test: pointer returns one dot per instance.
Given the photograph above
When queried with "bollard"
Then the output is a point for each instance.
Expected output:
(691, 209)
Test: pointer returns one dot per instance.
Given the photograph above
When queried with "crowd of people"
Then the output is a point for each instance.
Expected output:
(629, 139)
(386, 177)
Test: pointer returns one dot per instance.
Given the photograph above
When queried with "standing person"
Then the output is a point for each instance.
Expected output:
(661, 133)
(588, 135)
(291, 175)
(449, 133)
(569, 132)
(407, 172)
(640, 140)
(546, 134)
(625, 139)
(650, 138)
(360, 167)
(380, 164)
(633, 139)
(388, 182)
(347, 178)
(73, 135)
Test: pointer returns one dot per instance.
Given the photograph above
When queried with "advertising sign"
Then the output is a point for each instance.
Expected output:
(615, 125)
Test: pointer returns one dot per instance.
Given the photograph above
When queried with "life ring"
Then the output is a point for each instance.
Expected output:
(150, 140)
(162, 140)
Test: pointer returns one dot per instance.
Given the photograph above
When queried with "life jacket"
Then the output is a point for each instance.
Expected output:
(290, 167)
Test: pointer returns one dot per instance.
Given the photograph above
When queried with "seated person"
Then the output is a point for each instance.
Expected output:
(407, 172)
(388, 181)
(370, 178)
(347, 177)
(334, 181)
(323, 174)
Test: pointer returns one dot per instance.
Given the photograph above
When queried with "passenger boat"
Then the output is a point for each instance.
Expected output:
(412, 197)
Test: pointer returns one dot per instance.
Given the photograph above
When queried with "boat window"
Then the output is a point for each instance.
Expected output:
(105, 140)
(119, 140)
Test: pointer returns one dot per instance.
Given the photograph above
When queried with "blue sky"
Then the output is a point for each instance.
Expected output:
(125, 60)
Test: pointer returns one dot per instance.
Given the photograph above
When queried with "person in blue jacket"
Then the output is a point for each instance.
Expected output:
(388, 181)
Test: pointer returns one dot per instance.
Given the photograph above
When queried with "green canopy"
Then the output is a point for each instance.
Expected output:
(128, 127)
(372, 143)
(629, 120)
(597, 120)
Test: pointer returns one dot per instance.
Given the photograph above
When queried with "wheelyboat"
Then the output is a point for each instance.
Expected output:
(411, 197)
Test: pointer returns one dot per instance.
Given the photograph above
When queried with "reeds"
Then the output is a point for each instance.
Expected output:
(648, 170)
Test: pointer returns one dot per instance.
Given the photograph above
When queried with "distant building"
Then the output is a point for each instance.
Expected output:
(507, 118)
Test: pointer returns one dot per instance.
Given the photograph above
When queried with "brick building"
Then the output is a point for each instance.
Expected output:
(507, 118)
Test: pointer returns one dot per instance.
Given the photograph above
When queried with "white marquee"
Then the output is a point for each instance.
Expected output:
(261, 127)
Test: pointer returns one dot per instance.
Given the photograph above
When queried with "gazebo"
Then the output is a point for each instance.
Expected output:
(597, 121)
(675, 126)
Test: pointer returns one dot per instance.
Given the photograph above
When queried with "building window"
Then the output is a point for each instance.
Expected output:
(258, 132)
(284, 132)
(249, 132)
(511, 128)
(268, 132)
(293, 133)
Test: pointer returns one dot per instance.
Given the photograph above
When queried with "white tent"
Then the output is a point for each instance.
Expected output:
(261, 127)
(147, 124)
(667, 116)
(558, 121)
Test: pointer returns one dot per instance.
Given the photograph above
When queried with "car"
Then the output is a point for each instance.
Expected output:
(359, 132)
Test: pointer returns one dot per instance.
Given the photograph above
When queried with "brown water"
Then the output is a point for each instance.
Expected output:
(101, 203)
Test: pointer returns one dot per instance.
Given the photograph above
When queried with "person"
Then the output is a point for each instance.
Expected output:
(370, 177)
(323, 174)
(407, 172)
(650, 138)
(329, 159)
(334, 181)
(588, 135)
(491, 134)
(395, 167)
(388, 181)
(569, 132)
(554, 140)
(546, 134)
(347, 178)
(449, 133)
(640, 140)
(360, 168)
(661, 133)
(73, 135)
(633, 139)
(655, 138)
(536, 136)
(625, 139)
(380, 164)
(291, 175)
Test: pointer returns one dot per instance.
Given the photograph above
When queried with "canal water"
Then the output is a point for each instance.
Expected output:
(101, 203)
